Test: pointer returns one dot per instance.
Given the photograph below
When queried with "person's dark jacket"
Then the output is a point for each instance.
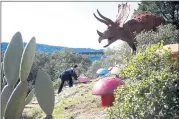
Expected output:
(69, 72)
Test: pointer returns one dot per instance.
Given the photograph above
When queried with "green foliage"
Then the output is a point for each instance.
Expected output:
(56, 83)
(151, 89)
(65, 59)
(168, 9)
(117, 54)
(41, 61)
(56, 62)
(91, 73)
(166, 33)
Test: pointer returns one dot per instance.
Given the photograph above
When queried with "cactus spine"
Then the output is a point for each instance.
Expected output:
(44, 92)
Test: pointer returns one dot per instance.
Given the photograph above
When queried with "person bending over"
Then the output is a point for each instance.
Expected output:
(67, 76)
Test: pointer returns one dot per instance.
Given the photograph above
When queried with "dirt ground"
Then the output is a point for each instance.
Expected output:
(74, 103)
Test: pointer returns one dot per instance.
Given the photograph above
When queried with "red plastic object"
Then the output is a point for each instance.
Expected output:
(107, 100)
(83, 79)
(105, 88)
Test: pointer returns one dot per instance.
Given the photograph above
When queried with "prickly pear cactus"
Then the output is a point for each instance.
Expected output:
(2, 72)
(27, 59)
(3, 78)
(4, 81)
(44, 92)
(11, 64)
(12, 58)
(17, 64)
(29, 97)
(5, 94)
(16, 102)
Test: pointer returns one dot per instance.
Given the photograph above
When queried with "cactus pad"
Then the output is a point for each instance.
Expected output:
(6, 93)
(12, 58)
(27, 59)
(16, 102)
(44, 92)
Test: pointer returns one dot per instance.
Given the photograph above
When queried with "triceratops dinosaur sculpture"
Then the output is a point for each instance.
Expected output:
(126, 31)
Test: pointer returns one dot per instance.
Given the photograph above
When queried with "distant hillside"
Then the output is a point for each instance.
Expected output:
(49, 48)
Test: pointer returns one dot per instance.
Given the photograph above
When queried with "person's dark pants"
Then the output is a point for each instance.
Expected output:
(63, 79)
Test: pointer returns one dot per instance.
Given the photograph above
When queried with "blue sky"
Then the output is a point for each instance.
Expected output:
(70, 24)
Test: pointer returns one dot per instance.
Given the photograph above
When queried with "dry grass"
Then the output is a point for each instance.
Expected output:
(76, 102)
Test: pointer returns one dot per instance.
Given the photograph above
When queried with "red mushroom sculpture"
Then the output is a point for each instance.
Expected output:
(105, 88)
(83, 79)
(174, 49)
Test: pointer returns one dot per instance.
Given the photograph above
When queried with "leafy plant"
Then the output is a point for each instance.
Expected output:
(91, 73)
(166, 33)
(116, 55)
(151, 87)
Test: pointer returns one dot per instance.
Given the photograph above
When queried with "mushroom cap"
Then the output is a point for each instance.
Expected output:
(115, 70)
(82, 79)
(102, 71)
(106, 86)
(110, 68)
(174, 48)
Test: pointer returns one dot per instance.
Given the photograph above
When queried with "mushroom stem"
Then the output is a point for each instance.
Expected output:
(107, 100)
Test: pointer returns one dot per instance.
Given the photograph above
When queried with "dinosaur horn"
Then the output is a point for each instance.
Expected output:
(99, 33)
(101, 20)
(105, 18)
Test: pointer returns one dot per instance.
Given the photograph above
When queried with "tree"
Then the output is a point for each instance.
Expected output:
(65, 59)
(168, 9)
(56, 62)
(117, 54)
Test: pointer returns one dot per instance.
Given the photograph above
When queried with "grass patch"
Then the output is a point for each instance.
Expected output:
(75, 102)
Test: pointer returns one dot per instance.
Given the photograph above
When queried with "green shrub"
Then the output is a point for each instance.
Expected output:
(151, 90)
(117, 54)
(56, 62)
(168, 33)
(56, 83)
(91, 73)
(65, 59)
